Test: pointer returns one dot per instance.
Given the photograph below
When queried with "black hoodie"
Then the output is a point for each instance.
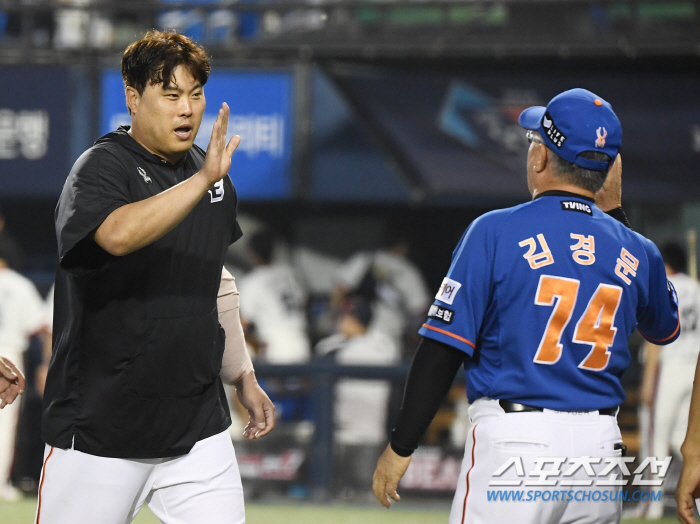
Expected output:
(137, 342)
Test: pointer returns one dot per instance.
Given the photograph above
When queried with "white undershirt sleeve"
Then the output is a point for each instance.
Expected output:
(236, 362)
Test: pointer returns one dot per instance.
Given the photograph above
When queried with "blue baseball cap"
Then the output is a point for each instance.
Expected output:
(574, 122)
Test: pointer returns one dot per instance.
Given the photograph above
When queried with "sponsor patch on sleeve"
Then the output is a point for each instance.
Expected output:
(448, 290)
(574, 205)
(441, 313)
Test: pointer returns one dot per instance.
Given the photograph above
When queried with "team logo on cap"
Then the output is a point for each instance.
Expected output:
(552, 131)
(600, 141)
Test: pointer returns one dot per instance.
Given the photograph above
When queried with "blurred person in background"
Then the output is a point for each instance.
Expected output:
(361, 405)
(273, 307)
(11, 250)
(667, 381)
(391, 283)
(145, 320)
(78, 26)
(273, 313)
(21, 317)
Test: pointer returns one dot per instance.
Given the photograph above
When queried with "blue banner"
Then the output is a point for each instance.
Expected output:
(261, 113)
(35, 122)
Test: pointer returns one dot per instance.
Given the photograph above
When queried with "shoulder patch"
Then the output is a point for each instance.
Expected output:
(448, 290)
(575, 205)
(441, 313)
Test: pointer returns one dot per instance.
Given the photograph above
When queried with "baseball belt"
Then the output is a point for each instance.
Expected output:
(515, 407)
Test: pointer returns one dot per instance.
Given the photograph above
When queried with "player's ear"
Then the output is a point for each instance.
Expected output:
(540, 158)
(132, 99)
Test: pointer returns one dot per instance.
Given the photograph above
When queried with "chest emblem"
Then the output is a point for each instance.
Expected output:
(217, 192)
(143, 174)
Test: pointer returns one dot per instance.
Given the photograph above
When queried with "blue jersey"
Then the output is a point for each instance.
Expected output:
(543, 296)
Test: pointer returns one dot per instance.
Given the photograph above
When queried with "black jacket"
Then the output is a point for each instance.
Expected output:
(137, 342)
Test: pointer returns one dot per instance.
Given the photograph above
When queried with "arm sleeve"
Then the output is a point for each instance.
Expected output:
(432, 372)
(658, 320)
(95, 187)
(456, 316)
(236, 362)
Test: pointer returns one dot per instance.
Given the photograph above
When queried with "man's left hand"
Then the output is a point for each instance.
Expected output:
(259, 406)
(390, 468)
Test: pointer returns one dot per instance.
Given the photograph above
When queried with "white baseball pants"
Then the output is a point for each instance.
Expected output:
(9, 417)
(203, 486)
(496, 437)
(672, 405)
(669, 421)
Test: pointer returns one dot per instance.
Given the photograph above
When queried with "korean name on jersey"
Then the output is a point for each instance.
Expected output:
(543, 297)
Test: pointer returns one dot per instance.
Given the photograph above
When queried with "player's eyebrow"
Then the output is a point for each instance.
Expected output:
(175, 87)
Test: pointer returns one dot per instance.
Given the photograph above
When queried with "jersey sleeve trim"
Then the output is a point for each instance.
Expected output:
(444, 332)
(668, 339)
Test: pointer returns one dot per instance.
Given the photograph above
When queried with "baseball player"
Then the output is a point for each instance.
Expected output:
(360, 404)
(538, 304)
(275, 304)
(134, 407)
(21, 317)
(401, 295)
(668, 374)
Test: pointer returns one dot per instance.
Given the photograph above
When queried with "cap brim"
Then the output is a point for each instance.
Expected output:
(531, 117)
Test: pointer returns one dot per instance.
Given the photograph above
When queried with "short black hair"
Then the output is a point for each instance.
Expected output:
(153, 59)
(262, 243)
(674, 256)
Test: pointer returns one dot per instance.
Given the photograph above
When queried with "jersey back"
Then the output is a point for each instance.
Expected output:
(543, 298)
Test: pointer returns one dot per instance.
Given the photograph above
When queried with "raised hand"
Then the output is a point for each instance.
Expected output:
(218, 160)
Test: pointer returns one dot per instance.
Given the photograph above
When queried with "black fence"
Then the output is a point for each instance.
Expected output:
(324, 374)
